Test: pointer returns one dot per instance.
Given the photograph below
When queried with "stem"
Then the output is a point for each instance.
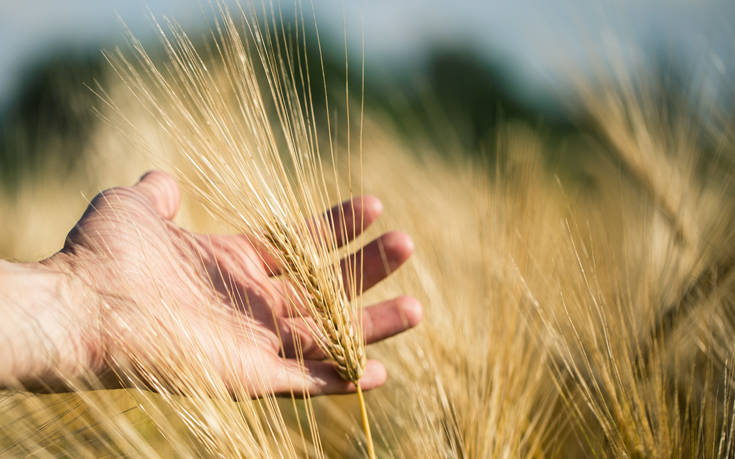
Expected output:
(365, 422)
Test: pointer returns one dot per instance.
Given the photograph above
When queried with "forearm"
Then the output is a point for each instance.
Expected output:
(44, 311)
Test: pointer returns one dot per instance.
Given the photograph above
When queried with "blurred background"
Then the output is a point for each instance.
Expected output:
(470, 65)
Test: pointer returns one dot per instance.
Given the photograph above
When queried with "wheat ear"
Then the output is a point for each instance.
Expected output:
(335, 325)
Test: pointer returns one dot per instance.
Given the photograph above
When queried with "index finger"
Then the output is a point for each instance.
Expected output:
(349, 219)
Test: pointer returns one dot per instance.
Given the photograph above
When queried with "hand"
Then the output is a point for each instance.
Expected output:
(139, 285)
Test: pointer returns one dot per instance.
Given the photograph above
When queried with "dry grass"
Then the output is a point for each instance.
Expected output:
(559, 320)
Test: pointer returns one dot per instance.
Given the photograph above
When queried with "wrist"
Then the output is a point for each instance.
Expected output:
(48, 319)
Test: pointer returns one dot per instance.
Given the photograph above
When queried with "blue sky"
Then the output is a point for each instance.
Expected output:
(542, 40)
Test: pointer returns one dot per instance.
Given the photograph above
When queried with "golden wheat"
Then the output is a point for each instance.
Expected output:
(560, 321)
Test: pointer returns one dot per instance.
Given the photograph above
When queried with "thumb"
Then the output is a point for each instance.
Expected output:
(161, 192)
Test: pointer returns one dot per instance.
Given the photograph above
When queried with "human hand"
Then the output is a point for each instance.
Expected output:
(138, 281)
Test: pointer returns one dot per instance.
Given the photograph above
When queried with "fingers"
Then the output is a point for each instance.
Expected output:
(350, 218)
(381, 257)
(379, 321)
(321, 378)
(389, 318)
(161, 192)
(375, 261)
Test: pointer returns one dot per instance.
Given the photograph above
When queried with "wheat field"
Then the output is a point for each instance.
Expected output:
(561, 318)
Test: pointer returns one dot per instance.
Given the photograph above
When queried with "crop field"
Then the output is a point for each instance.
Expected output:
(566, 294)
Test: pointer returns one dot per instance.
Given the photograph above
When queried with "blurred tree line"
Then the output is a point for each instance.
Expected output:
(455, 91)
(51, 111)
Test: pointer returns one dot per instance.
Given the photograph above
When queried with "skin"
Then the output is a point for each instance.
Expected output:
(128, 276)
